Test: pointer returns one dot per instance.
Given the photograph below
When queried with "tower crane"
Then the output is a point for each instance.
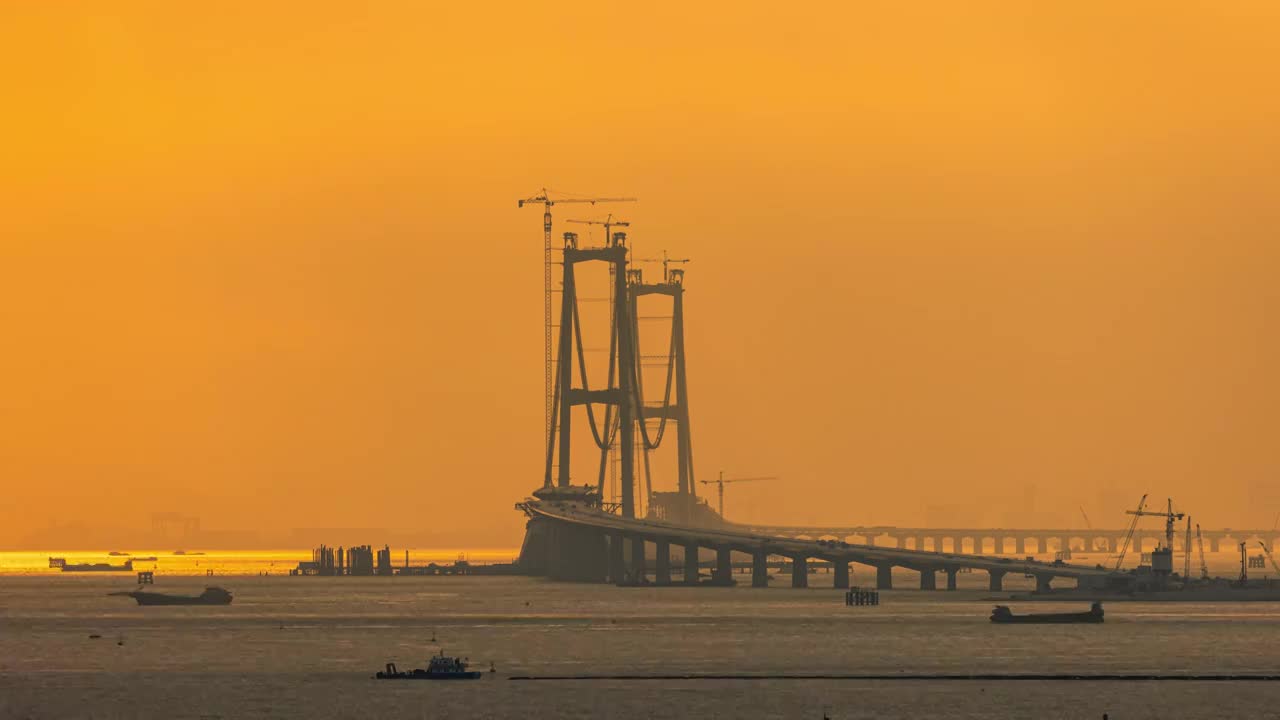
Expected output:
(548, 202)
(1128, 536)
(1169, 518)
(666, 262)
(609, 223)
(722, 481)
(1204, 567)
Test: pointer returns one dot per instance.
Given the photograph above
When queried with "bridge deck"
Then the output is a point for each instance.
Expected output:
(749, 542)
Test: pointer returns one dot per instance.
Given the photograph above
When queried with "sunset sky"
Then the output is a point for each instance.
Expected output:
(953, 263)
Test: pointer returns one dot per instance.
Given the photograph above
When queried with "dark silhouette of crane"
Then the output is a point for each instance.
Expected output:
(1128, 536)
(1169, 518)
(1204, 567)
(666, 261)
(721, 481)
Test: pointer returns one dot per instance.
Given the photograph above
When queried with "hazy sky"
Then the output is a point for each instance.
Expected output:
(967, 263)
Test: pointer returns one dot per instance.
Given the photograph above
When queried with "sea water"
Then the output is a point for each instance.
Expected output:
(307, 647)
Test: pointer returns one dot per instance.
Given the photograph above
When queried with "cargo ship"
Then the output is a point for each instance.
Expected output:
(210, 596)
(62, 564)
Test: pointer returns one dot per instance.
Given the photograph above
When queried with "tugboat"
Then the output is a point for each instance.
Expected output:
(439, 667)
(1003, 614)
(210, 596)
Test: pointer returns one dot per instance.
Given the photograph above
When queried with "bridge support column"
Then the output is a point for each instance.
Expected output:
(997, 581)
(928, 579)
(1064, 544)
(617, 565)
(1042, 583)
(637, 559)
(724, 566)
(662, 567)
(842, 573)
(951, 578)
(871, 540)
(1213, 544)
(691, 564)
(799, 572)
(884, 577)
(997, 547)
(1020, 546)
(760, 569)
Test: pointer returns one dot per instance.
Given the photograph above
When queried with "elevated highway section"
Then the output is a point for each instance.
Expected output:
(576, 541)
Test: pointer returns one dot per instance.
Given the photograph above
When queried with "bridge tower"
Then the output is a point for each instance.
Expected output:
(678, 506)
(619, 394)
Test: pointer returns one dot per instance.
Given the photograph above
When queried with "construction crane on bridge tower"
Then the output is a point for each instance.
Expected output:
(666, 261)
(547, 202)
(722, 481)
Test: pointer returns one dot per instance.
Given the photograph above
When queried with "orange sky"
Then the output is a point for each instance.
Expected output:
(965, 263)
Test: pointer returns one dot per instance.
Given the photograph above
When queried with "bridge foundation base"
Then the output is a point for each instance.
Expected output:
(997, 581)
(842, 574)
(928, 580)
(799, 573)
(662, 562)
(884, 577)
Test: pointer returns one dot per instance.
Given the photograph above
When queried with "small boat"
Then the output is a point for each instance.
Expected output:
(1003, 614)
(439, 667)
(210, 596)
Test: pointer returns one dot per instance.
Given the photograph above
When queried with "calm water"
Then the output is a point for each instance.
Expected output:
(306, 647)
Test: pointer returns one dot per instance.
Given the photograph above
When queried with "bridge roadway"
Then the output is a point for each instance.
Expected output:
(572, 541)
(1015, 540)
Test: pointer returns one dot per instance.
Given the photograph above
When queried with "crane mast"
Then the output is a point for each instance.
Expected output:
(1186, 552)
(1204, 567)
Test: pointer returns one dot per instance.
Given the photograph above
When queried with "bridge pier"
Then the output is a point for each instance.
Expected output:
(928, 579)
(1042, 583)
(951, 578)
(691, 564)
(871, 540)
(842, 573)
(637, 559)
(617, 565)
(1020, 545)
(724, 566)
(799, 572)
(1213, 545)
(662, 568)
(884, 577)
(760, 569)
(997, 581)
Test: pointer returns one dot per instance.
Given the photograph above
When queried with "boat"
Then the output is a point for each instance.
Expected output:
(439, 667)
(1002, 614)
(117, 553)
(210, 596)
(89, 567)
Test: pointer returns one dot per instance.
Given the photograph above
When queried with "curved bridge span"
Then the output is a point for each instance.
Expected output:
(1009, 540)
(572, 541)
